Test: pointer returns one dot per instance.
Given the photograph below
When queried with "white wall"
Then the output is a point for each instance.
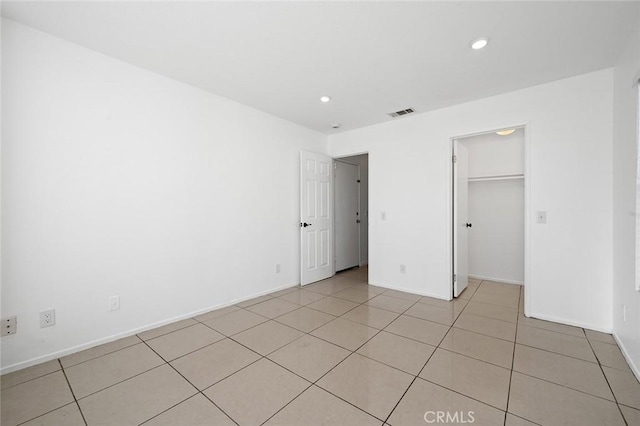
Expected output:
(625, 128)
(496, 207)
(493, 155)
(496, 240)
(118, 181)
(570, 176)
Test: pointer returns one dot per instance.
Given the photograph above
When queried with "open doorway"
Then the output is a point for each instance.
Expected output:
(489, 196)
(351, 207)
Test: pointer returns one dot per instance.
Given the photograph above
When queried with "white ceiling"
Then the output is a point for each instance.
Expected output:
(370, 57)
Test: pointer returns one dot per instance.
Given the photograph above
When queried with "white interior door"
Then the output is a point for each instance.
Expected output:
(460, 218)
(316, 217)
(347, 219)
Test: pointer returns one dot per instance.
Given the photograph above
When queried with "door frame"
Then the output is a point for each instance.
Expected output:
(526, 126)
(340, 160)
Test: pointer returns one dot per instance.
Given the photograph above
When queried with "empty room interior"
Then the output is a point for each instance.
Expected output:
(449, 227)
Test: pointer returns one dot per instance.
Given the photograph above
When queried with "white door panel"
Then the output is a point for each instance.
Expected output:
(316, 226)
(460, 218)
(347, 204)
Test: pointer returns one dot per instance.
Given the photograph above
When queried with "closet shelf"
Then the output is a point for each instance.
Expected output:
(496, 177)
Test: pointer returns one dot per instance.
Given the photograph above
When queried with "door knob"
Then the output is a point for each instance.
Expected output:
(305, 224)
(468, 225)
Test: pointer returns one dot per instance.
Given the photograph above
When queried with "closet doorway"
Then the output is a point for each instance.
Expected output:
(351, 208)
(489, 208)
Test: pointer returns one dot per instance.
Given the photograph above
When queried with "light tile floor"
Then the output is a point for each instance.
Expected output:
(339, 352)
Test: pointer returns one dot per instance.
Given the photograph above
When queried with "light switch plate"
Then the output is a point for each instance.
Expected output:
(114, 303)
(541, 217)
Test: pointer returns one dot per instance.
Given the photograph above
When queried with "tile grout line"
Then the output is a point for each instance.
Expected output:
(484, 334)
(30, 380)
(72, 392)
(425, 363)
(566, 387)
(124, 380)
(288, 403)
(273, 319)
(513, 359)
(49, 412)
(439, 347)
(230, 337)
(552, 352)
(270, 360)
(471, 357)
(550, 330)
(75, 401)
(104, 354)
(451, 327)
(358, 348)
(615, 398)
(557, 353)
(553, 383)
(341, 316)
(415, 376)
(198, 391)
(315, 383)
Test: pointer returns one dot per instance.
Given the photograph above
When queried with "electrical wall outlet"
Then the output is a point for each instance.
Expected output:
(277, 268)
(383, 215)
(9, 325)
(403, 268)
(47, 318)
(114, 303)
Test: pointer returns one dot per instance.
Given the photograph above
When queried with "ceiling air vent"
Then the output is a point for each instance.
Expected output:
(401, 112)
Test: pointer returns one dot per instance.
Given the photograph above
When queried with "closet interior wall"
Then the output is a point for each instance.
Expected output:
(496, 206)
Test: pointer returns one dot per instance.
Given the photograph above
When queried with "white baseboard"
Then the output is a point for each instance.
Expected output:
(625, 353)
(420, 293)
(571, 323)
(498, 280)
(68, 351)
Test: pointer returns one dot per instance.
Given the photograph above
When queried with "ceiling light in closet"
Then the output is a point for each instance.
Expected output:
(325, 99)
(506, 132)
(479, 43)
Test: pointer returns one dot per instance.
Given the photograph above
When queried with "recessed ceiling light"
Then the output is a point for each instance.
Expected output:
(479, 43)
(506, 132)
(325, 99)
(335, 126)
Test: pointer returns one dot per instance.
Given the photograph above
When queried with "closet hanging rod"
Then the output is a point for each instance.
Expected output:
(496, 177)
